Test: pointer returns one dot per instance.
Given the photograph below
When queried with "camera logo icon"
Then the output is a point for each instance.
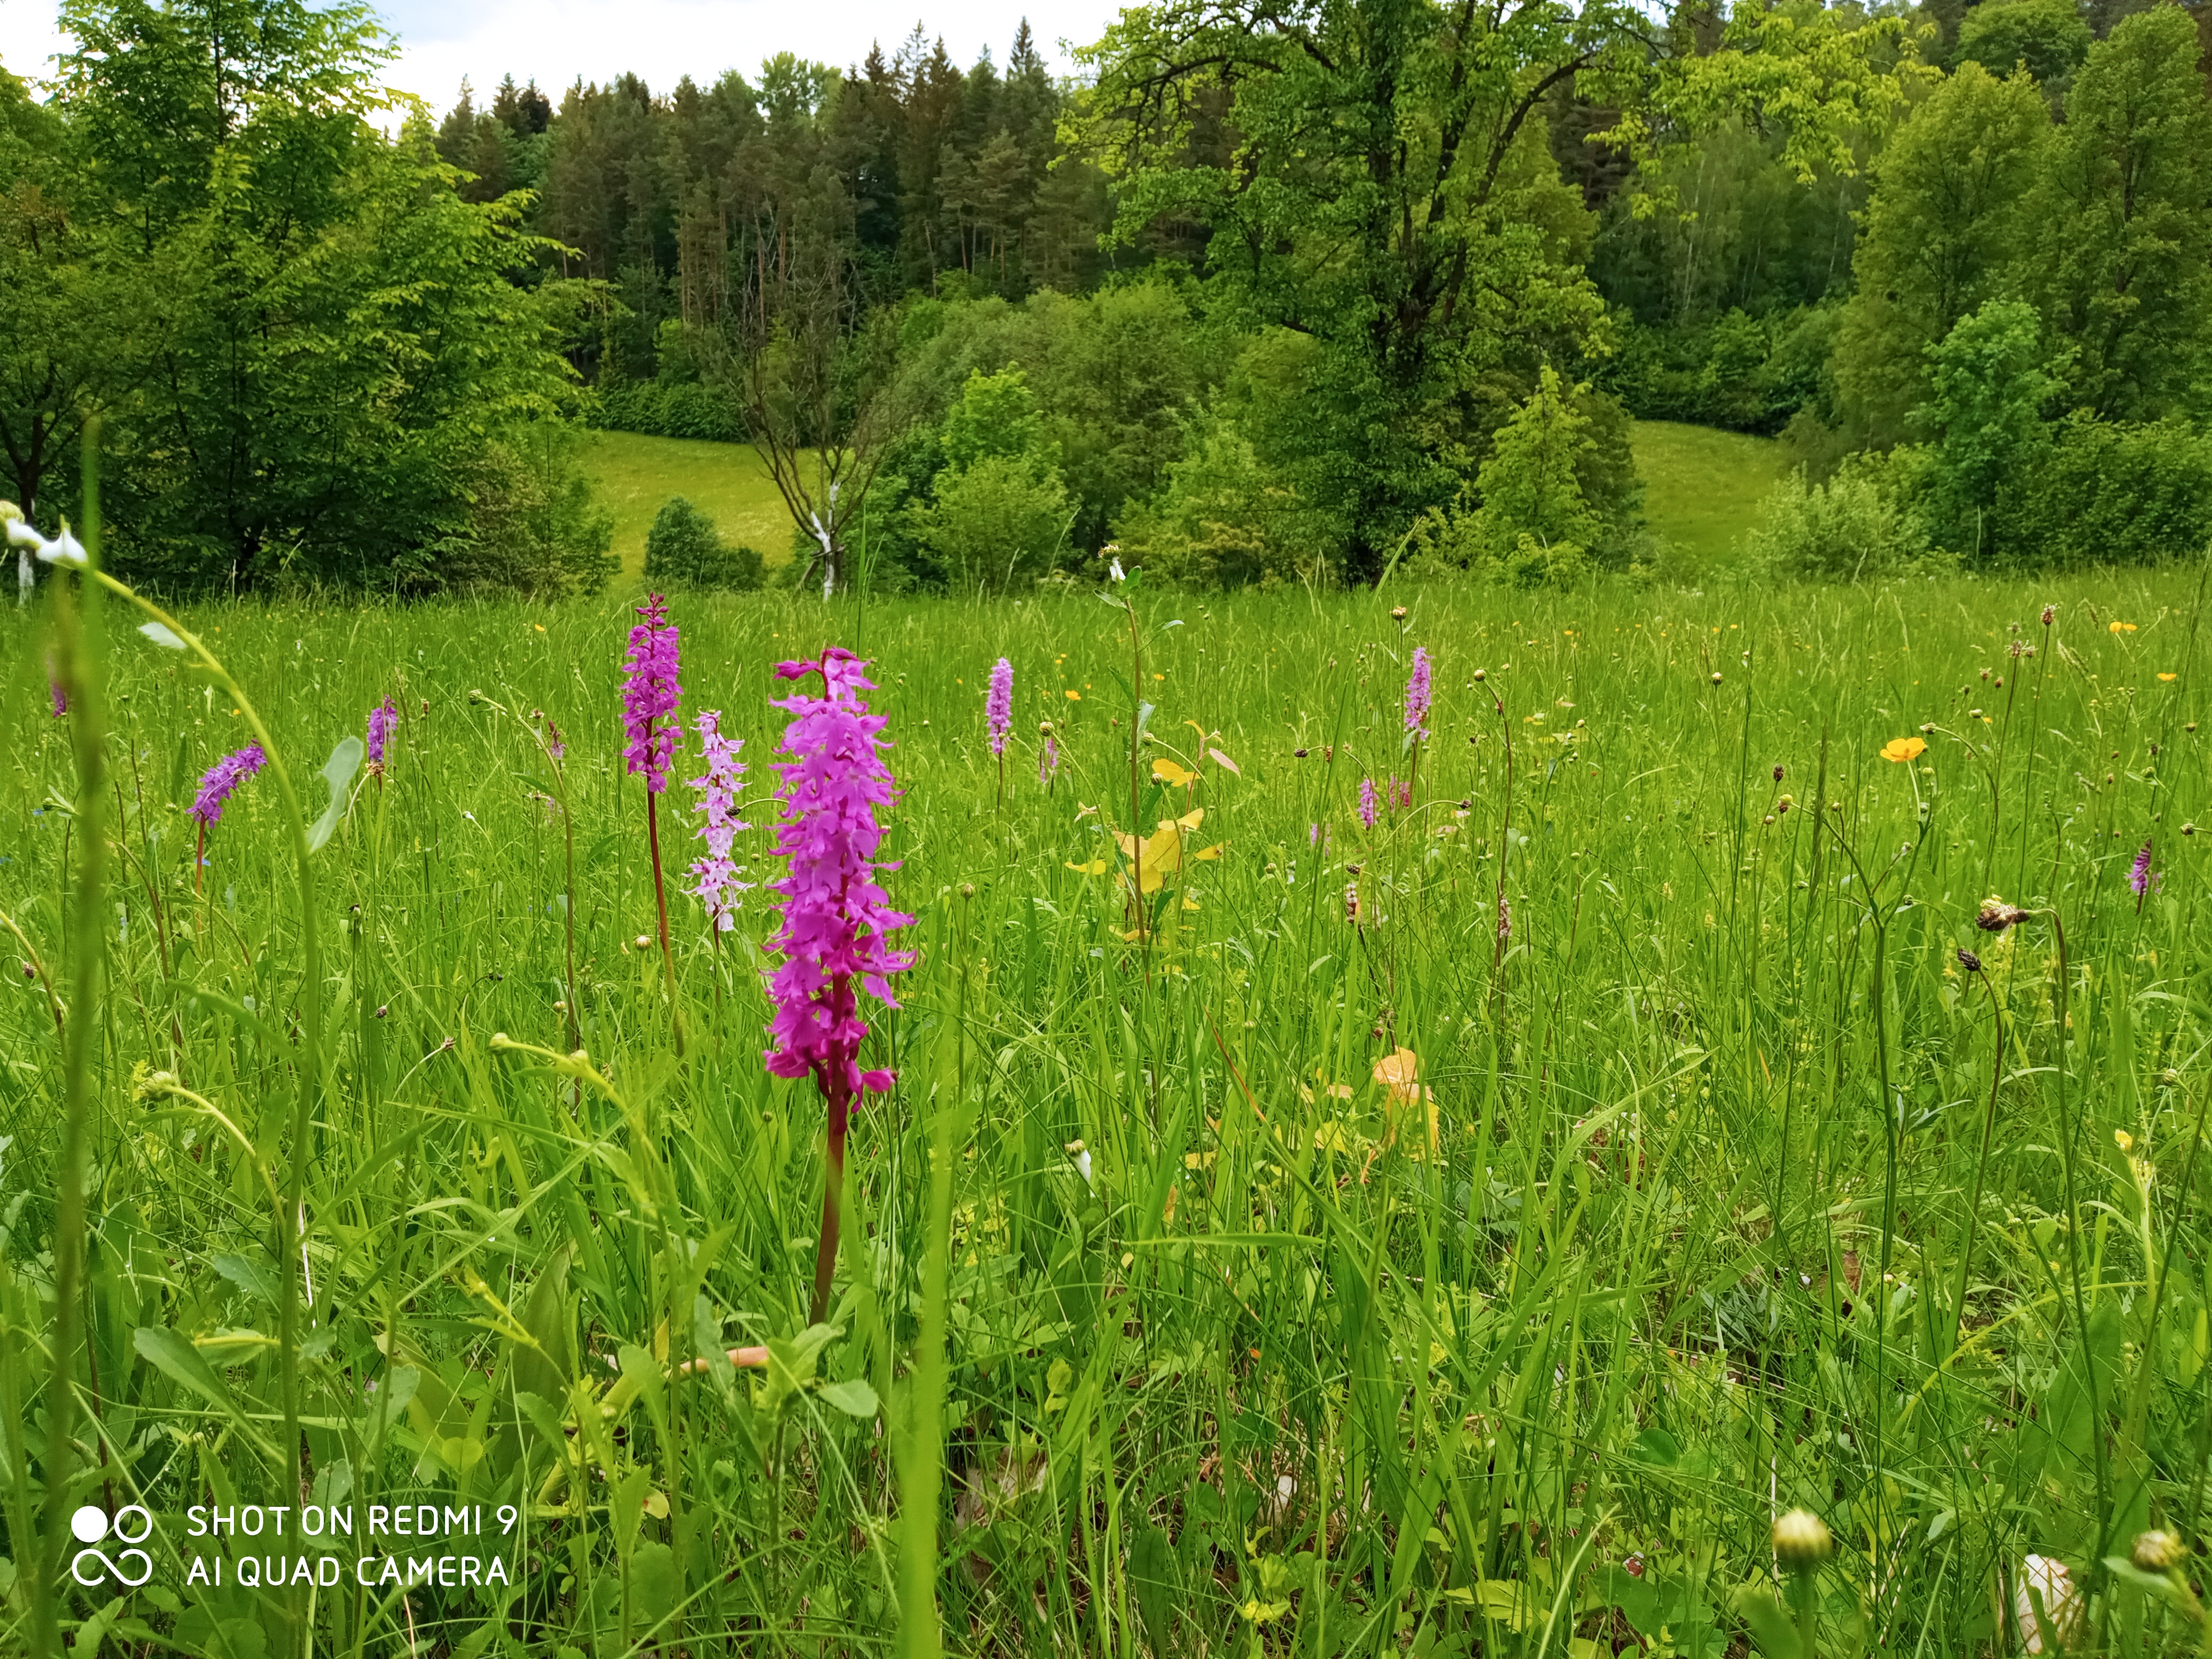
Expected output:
(90, 1525)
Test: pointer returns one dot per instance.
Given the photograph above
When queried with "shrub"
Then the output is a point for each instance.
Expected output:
(533, 527)
(2108, 493)
(997, 521)
(1534, 522)
(661, 409)
(683, 548)
(1860, 524)
(1220, 522)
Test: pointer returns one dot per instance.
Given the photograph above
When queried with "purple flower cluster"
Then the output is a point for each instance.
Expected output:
(999, 707)
(60, 698)
(382, 720)
(1048, 760)
(222, 779)
(1401, 794)
(1367, 802)
(718, 883)
(836, 918)
(1417, 694)
(650, 693)
(2140, 876)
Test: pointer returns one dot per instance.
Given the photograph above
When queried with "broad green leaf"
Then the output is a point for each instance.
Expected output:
(337, 772)
(854, 1397)
(1771, 1629)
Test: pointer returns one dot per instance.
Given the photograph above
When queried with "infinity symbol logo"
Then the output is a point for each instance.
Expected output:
(90, 1524)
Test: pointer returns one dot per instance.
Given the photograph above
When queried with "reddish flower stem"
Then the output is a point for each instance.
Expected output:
(660, 897)
(839, 1097)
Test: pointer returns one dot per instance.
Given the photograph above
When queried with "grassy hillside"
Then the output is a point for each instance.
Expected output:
(727, 481)
(1702, 486)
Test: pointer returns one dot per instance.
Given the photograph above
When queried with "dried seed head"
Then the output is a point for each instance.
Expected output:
(1969, 960)
(1716, 676)
(1484, 674)
(1777, 773)
(2050, 615)
(1996, 916)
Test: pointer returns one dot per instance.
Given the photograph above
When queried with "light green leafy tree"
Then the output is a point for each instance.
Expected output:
(67, 302)
(2048, 38)
(1001, 512)
(1945, 231)
(1987, 387)
(342, 379)
(2122, 263)
(1535, 524)
(1372, 175)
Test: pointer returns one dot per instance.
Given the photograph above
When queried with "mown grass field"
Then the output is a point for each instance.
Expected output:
(1462, 1234)
(636, 475)
(1703, 488)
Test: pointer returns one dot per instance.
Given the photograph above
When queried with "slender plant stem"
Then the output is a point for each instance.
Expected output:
(78, 628)
(838, 1095)
(1981, 1165)
(660, 899)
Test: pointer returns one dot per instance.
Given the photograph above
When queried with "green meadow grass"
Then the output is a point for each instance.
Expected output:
(1703, 487)
(1419, 1284)
(636, 475)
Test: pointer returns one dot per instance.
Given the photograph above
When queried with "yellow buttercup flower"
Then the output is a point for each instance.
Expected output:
(1898, 751)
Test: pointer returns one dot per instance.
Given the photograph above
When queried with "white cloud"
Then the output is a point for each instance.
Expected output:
(555, 41)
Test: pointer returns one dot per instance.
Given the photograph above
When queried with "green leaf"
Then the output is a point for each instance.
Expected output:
(854, 1397)
(248, 1275)
(791, 1362)
(1771, 1629)
(175, 1357)
(653, 1581)
(626, 1508)
(337, 772)
(543, 1418)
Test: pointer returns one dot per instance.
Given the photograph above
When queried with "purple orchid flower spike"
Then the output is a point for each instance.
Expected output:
(834, 920)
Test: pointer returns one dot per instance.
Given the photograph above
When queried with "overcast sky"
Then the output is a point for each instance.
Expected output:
(557, 40)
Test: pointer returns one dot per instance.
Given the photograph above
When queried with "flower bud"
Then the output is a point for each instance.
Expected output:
(2157, 1552)
(1801, 1541)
